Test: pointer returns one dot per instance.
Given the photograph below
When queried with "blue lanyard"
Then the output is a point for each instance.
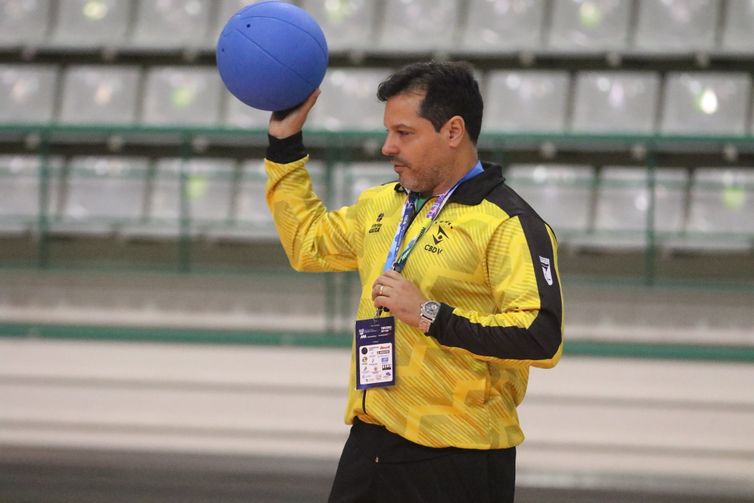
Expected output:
(410, 210)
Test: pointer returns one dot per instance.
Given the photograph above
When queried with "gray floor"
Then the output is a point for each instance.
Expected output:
(49, 476)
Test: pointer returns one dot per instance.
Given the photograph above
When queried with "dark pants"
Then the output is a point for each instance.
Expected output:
(379, 467)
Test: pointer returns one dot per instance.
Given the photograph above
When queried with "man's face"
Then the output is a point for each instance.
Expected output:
(418, 153)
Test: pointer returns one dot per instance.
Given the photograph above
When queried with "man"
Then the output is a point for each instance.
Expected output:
(460, 295)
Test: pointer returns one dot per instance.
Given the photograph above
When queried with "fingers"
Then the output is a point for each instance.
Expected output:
(380, 290)
(384, 292)
(388, 279)
(391, 274)
(286, 123)
(386, 289)
(312, 99)
(400, 296)
(301, 108)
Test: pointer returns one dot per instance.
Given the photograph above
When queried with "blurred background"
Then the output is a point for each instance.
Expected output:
(155, 345)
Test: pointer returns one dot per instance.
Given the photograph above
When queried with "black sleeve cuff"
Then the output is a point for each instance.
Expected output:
(441, 320)
(286, 150)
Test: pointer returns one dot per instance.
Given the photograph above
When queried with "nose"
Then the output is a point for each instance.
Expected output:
(389, 148)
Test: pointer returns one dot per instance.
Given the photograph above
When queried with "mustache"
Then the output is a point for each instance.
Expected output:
(398, 160)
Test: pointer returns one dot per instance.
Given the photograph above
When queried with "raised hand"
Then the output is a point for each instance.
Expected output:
(289, 122)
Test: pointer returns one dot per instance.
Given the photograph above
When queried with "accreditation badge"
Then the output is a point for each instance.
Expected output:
(375, 352)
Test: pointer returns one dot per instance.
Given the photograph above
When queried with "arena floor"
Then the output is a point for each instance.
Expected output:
(44, 476)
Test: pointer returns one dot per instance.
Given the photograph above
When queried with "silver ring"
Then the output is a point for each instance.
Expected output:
(382, 287)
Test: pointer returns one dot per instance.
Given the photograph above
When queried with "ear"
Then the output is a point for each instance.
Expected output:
(455, 130)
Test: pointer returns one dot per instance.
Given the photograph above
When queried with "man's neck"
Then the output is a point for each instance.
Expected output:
(461, 169)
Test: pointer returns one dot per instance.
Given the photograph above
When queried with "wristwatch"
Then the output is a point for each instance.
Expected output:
(428, 313)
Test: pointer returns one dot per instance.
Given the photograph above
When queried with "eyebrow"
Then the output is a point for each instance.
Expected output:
(400, 125)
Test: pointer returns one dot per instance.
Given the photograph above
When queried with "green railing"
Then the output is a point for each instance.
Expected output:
(647, 151)
(183, 253)
(640, 350)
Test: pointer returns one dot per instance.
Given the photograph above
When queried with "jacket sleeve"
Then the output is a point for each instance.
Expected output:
(314, 239)
(522, 268)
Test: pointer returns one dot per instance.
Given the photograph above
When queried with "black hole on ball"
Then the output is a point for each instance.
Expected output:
(248, 26)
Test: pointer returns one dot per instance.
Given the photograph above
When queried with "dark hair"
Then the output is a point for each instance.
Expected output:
(450, 88)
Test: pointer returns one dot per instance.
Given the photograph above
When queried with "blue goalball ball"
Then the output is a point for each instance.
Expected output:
(272, 55)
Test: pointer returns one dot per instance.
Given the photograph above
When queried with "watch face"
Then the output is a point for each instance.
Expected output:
(430, 309)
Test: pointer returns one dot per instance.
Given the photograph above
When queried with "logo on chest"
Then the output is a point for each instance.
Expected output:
(439, 237)
(377, 225)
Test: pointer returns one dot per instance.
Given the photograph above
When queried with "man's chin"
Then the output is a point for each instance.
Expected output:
(407, 185)
(411, 184)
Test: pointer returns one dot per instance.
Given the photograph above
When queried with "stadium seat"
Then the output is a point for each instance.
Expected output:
(349, 100)
(171, 24)
(27, 93)
(23, 23)
(721, 209)
(738, 27)
(203, 185)
(561, 194)
(624, 202)
(20, 177)
(252, 212)
(411, 26)
(238, 114)
(589, 26)
(97, 94)
(615, 102)
(348, 24)
(103, 194)
(87, 23)
(224, 11)
(526, 101)
(502, 27)
(673, 26)
(182, 96)
(354, 178)
(706, 103)
(252, 218)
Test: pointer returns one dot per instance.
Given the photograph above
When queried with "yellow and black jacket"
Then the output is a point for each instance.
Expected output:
(488, 258)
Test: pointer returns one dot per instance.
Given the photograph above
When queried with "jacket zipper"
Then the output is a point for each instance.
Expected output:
(364, 402)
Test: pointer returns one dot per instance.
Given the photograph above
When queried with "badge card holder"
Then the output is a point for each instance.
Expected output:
(375, 352)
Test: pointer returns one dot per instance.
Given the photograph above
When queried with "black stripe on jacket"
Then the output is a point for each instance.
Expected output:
(541, 340)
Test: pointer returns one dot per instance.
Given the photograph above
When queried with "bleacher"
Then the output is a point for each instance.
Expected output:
(627, 125)
(123, 65)
(132, 196)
